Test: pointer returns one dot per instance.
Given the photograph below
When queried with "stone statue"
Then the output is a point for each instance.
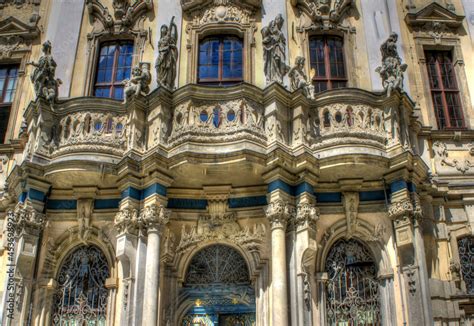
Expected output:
(139, 83)
(299, 80)
(43, 76)
(392, 68)
(167, 55)
(274, 51)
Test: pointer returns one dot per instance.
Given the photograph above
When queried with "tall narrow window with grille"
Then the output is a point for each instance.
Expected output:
(327, 60)
(113, 67)
(466, 257)
(444, 90)
(8, 81)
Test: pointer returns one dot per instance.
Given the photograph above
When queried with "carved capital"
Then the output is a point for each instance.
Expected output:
(126, 220)
(399, 209)
(28, 219)
(154, 217)
(306, 216)
(279, 212)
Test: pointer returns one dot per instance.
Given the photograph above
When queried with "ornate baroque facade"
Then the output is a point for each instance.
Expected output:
(237, 162)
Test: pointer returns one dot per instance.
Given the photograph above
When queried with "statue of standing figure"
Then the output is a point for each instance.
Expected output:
(274, 51)
(43, 76)
(167, 55)
(392, 68)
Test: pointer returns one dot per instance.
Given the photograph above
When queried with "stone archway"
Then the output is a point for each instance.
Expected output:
(218, 289)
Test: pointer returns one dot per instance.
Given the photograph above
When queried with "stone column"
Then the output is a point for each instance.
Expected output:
(154, 217)
(279, 212)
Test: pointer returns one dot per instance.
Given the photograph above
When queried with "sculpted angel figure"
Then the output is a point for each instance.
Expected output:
(274, 51)
(392, 68)
(299, 80)
(167, 55)
(43, 76)
(139, 82)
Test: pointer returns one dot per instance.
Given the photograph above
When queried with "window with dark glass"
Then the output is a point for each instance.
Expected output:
(8, 81)
(220, 60)
(444, 89)
(114, 66)
(466, 257)
(327, 60)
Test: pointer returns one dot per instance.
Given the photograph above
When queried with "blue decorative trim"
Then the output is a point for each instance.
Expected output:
(247, 201)
(62, 204)
(304, 187)
(22, 197)
(328, 197)
(281, 185)
(131, 192)
(372, 195)
(184, 203)
(154, 189)
(411, 187)
(36, 195)
(398, 185)
(107, 203)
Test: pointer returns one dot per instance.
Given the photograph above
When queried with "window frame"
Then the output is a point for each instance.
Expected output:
(113, 84)
(7, 106)
(220, 81)
(327, 78)
(442, 90)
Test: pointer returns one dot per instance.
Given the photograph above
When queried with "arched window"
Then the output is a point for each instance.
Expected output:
(353, 289)
(81, 296)
(220, 60)
(327, 60)
(113, 67)
(466, 257)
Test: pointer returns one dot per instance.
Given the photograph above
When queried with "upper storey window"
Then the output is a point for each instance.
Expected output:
(327, 60)
(444, 89)
(114, 66)
(8, 81)
(220, 60)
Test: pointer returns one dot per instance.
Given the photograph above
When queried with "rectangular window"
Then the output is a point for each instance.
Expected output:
(8, 81)
(327, 60)
(113, 67)
(444, 90)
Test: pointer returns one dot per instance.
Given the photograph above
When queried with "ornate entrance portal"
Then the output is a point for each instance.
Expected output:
(218, 286)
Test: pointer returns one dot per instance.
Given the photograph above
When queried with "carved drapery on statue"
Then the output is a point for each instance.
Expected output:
(139, 83)
(299, 80)
(274, 51)
(81, 296)
(167, 55)
(392, 68)
(352, 289)
(43, 76)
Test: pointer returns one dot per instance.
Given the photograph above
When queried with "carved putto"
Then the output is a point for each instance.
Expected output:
(167, 55)
(274, 51)
(43, 76)
(138, 84)
(392, 68)
(299, 80)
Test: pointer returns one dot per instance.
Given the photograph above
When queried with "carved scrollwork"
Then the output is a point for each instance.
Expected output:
(441, 153)
(400, 209)
(217, 122)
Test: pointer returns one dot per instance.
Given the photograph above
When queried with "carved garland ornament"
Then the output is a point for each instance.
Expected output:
(441, 152)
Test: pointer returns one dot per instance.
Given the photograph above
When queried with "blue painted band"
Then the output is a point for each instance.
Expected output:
(154, 189)
(131, 192)
(411, 187)
(398, 185)
(372, 195)
(328, 197)
(36, 195)
(281, 185)
(247, 201)
(184, 203)
(63, 204)
(304, 187)
(107, 203)
(22, 197)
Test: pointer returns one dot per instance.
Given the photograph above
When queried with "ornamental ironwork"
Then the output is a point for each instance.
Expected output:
(466, 256)
(353, 290)
(81, 296)
(217, 264)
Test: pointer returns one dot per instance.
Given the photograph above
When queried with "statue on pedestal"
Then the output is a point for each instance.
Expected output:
(139, 83)
(274, 51)
(167, 55)
(392, 68)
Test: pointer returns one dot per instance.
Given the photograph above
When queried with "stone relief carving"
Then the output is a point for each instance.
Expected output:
(392, 68)
(9, 44)
(126, 220)
(324, 10)
(139, 83)
(351, 207)
(27, 218)
(218, 121)
(400, 209)
(274, 129)
(167, 55)
(299, 80)
(307, 215)
(274, 51)
(154, 217)
(441, 153)
(43, 77)
(279, 212)
(85, 207)
(377, 235)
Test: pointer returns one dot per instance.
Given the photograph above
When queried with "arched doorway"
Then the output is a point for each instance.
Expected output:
(352, 296)
(218, 286)
(81, 296)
